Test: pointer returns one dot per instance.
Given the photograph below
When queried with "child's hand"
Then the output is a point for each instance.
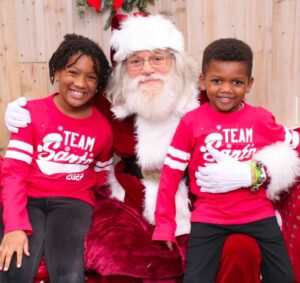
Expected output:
(13, 242)
(169, 245)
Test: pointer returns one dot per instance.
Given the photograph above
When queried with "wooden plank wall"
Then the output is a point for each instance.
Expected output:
(30, 30)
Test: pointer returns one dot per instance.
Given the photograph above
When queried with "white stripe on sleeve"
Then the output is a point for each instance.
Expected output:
(177, 153)
(18, 156)
(175, 164)
(106, 165)
(107, 168)
(21, 145)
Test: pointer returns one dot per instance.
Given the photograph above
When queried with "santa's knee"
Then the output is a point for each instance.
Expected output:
(241, 249)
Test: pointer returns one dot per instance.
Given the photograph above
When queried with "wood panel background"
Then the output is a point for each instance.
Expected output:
(30, 30)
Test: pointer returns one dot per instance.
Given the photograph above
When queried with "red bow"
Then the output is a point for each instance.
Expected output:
(96, 4)
(117, 4)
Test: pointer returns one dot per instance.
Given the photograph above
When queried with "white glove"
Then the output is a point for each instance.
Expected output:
(224, 176)
(16, 116)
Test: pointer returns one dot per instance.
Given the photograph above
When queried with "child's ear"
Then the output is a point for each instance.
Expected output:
(201, 82)
(57, 76)
(251, 80)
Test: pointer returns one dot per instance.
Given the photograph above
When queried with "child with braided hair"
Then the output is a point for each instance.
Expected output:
(52, 167)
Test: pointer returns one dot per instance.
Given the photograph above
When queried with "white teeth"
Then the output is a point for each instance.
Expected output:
(225, 99)
(77, 94)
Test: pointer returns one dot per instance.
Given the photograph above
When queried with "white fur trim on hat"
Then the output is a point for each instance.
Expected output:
(139, 33)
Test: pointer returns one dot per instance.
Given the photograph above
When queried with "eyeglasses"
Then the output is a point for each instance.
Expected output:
(136, 63)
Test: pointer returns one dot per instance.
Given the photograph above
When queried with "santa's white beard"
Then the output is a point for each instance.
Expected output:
(153, 101)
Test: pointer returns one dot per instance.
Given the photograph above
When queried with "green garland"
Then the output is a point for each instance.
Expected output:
(81, 7)
(108, 5)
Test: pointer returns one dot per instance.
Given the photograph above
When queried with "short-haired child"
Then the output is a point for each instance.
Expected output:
(232, 126)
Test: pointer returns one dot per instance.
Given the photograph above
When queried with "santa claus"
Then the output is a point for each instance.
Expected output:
(153, 84)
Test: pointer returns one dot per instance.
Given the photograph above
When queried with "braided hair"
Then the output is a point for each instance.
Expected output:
(78, 44)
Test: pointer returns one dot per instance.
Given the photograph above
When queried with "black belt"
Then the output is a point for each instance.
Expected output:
(132, 168)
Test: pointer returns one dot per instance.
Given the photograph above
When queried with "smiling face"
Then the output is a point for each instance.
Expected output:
(226, 83)
(77, 86)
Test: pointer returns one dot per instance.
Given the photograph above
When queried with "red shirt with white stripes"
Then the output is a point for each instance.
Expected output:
(55, 156)
(239, 134)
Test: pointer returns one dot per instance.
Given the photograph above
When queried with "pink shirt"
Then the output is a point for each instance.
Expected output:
(55, 156)
(241, 134)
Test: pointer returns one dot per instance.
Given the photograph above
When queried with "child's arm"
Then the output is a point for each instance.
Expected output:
(15, 171)
(172, 173)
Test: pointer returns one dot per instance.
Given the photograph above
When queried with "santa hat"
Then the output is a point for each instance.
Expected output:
(139, 32)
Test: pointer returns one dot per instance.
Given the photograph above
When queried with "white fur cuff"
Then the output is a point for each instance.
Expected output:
(283, 165)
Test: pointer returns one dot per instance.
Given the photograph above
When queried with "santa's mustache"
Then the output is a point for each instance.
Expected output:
(155, 77)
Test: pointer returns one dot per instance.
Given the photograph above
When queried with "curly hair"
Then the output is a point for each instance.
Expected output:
(228, 49)
(78, 44)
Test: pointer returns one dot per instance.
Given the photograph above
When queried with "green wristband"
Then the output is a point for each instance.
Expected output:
(260, 175)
